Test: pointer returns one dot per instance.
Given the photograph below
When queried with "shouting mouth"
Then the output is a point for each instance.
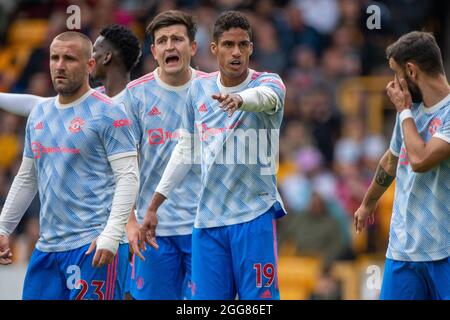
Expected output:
(172, 59)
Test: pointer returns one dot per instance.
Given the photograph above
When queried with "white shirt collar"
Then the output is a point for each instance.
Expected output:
(237, 88)
(436, 107)
(69, 105)
(173, 88)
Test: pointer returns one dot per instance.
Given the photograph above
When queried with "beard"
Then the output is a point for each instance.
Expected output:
(69, 88)
(414, 90)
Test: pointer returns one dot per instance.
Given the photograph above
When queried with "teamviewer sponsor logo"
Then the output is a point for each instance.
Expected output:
(38, 149)
(122, 123)
(156, 136)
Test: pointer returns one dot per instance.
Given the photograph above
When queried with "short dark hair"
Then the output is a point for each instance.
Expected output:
(125, 42)
(229, 20)
(418, 47)
(172, 17)
(72, 35)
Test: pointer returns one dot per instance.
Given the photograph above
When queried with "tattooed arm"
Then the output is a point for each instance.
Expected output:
(384, 176)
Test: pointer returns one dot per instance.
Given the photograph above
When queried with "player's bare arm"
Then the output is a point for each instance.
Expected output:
(383, 178)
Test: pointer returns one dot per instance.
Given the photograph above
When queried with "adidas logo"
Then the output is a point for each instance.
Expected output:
(154, 112)
(266, 295)
(203, 108)
(39, 126)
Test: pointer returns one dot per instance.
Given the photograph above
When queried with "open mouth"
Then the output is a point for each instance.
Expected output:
(235, 63)
(172, 59)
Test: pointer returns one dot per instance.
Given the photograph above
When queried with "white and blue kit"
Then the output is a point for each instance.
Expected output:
(419, 239)
(234, 240)
(71, 146)
(156, 110)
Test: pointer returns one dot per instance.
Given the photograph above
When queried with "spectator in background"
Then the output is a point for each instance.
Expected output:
(322, 119)
(304, 73)
(315, 232)
(268, 51)
(327, 286)
(320, 14)
(293, 31)
(39, 58)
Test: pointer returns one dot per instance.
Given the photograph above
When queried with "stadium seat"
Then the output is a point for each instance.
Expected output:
(297, 276)
(27, 32)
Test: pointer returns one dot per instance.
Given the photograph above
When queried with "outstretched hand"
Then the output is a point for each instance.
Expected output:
(229, 102)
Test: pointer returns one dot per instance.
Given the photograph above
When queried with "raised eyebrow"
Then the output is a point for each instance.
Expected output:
(161, 38)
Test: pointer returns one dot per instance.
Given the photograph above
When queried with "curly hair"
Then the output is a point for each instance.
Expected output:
(229, 20)
(125, 42)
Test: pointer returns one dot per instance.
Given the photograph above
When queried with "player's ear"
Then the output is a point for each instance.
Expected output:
(91, 65)
(251, 48)
(193, 47)
(213, 47)
(108, 57)
(411, 70)
(153, 50)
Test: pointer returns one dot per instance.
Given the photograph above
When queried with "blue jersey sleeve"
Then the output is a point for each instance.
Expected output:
(274, 82)
(115, 132)
(443, 131)
(188, 116)
(132, 106)
(28, 147)
(396, 140)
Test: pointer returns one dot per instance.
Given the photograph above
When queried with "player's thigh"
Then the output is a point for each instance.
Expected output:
(255, 258)
(43, 280)
(439, 272)
(402, 281)
(89, 283)
(212, 268)
(123, 272)
(160, 276)
(184, 245)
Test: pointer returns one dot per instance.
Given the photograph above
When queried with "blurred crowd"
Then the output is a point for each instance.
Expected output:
(327, 155)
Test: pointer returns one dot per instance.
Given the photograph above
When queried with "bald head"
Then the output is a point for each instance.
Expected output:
(83, 40)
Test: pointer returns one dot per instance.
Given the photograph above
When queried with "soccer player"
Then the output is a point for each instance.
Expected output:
(156, 103)
(417, 259)
(234, 240)
(116, 51)
(80, 155)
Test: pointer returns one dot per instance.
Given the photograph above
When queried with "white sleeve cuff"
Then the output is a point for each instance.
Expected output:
(127, 183)
(122, 155)
(260, 99)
